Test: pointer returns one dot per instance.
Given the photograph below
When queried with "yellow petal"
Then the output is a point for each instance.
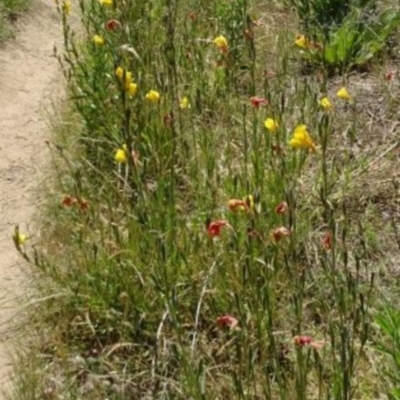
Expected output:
(343, 94)
(184, 103)
(300, 130)
(326, 104)
(66, 7)
(301, 41)
(271, 125)
(124, 77)
(22, 238)
(153, 95)
(119, 73)
(294, 142)
(132, 89)
(120, 156)
(106, 3)
(98, 40)
(301, 139)
(221, 42)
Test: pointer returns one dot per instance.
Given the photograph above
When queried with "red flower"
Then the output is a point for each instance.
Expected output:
(327, 241)
(68, 201)
(302, 341)
(214, 228)
(256, 102)
(83, 204)
(278, 233)
(282, 208)
(227, 321)
(112, 25)
(389, 76)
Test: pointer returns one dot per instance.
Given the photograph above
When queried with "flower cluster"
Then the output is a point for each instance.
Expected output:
(342, 94)
(247, 205)
(69, 201)
(125, 78)
(229, 322)
(301, 137)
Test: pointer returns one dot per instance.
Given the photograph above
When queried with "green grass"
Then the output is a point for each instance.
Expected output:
(9, 12)
(132, 282)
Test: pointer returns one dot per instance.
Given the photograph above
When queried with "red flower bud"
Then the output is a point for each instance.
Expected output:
(112, 25)
(227, 321)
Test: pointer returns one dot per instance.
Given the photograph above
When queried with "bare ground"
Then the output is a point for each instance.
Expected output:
(30, 79)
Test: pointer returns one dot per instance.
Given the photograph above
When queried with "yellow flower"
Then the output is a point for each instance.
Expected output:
(343, 94)
(153, 95)
(184, 103)
(98, 40)
(120, 155)
(221, 42)
(301, 41)
(326, 104)
(119, 73)
(132, 88)
(66, 7)
(106, 3)
(22, 238)
(271, 125)
(302, 139)
(124, 76)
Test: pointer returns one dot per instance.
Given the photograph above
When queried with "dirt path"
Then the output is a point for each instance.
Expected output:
(30, 79)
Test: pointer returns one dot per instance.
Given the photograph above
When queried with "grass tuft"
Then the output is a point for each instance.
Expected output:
(9, 13)
(213, 228)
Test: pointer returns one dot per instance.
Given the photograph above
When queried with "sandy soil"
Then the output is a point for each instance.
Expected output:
(30, 79)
